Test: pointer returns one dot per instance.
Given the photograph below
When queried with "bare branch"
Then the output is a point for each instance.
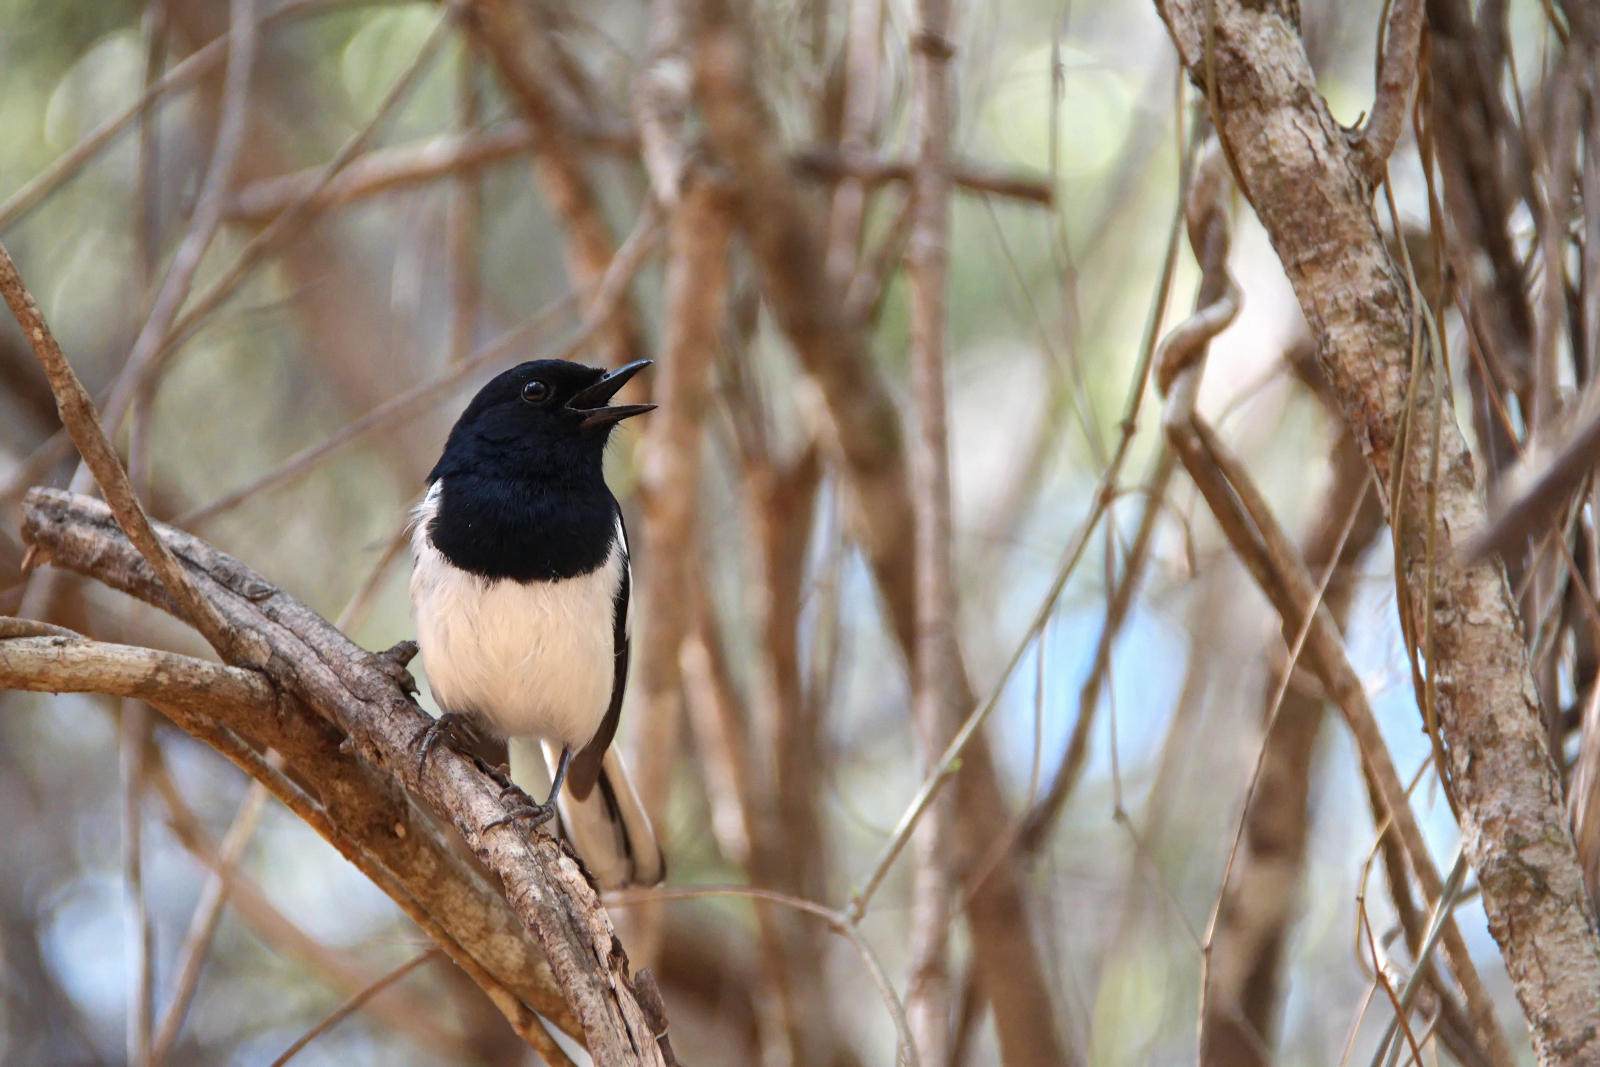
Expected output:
(967, 174)
(351, 1006)
(207, 916)
(1396, 78)
(203, 224)
(139, 375)
(181, 76)
(1298, 173)
(337, 970)
(1248, 947)
(669, 482)
(862, 101)
(936, 691)
(356, 692)
(78, 415)
(1550, 486)
(386, 169)
(464, 218)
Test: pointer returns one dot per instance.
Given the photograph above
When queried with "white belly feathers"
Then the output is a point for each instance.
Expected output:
(535, 659)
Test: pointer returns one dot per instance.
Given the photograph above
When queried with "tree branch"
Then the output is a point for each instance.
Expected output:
(936, 697)
(79, 418)
(1314, 201)
(354, 691)
(524, 54)
(1396, 77)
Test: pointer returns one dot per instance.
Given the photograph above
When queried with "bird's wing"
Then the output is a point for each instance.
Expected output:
(584, 771)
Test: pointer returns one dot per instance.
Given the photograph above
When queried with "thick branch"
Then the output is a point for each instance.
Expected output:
(1314, 200)
(354, 691)
(360, 813)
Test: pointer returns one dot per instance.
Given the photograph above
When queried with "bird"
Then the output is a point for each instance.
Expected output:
(520, 591)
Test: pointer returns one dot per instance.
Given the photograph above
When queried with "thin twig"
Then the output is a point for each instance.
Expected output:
(837, 921)
(1396, 77)
(412, 402)
(351, 1006)
(356, 608)
(464, 220)
(968, 175)
(78, 416)
(203, 223)
(1104, 494)
(337, 970)
(207, 916)
(140, 937)
(274, 234)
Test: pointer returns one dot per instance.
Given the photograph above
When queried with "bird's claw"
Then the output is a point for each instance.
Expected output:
(537, 814)
(438, 730)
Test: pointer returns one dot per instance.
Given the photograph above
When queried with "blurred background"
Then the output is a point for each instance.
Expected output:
(432, 277)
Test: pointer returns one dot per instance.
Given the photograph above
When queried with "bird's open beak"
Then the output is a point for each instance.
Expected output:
(592, 403)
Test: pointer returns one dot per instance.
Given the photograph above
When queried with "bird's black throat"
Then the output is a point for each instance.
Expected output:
(523, 530)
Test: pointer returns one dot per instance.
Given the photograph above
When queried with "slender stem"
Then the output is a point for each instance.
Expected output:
(936, 690)
(208, 915)
(139, 937)
(207, 218)
(351, 1006)
(465, 218)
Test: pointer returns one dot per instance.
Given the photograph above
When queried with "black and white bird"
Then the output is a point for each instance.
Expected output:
(520, 593)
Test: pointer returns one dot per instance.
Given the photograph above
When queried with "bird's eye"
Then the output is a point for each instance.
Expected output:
(536, 392)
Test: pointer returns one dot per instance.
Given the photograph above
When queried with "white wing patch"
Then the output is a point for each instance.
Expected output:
(627, 562)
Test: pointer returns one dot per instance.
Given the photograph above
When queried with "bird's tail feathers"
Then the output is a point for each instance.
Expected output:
(609, 830)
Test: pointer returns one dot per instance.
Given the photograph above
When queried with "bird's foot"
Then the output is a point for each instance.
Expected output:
(440, 729)
(393, 661)
(536, 814)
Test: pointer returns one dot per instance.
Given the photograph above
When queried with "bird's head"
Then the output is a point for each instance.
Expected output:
(543, 415)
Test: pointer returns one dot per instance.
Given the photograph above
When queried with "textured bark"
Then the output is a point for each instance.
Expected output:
(220, 705)
(357, 704)
(1295, 166)
(863, 441)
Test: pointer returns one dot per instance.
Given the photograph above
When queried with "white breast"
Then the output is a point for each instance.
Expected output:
(535, 659)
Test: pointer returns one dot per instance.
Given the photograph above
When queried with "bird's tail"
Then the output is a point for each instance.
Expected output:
(609, 831)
